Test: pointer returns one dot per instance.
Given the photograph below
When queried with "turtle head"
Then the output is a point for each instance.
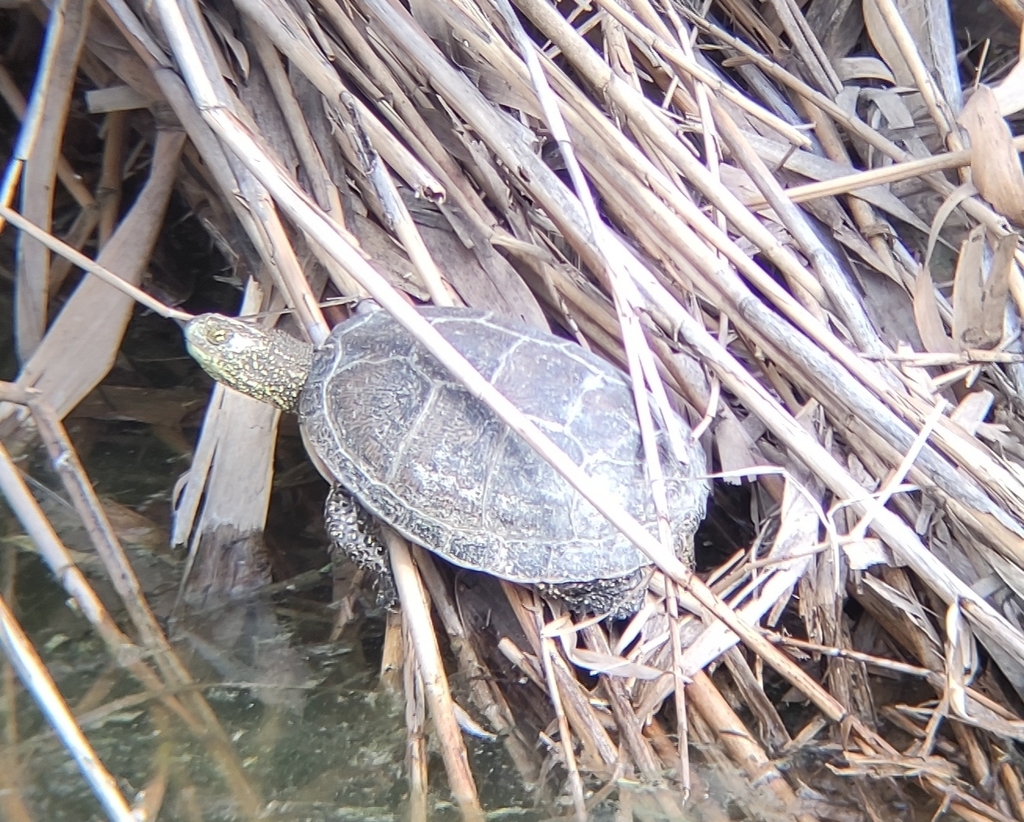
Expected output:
(265, 364)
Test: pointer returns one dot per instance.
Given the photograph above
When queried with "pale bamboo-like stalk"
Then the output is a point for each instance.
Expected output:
(396, 215)
(12, 96)
(32, 276)
(415, 733)
(897, 172)
(705, 698)
(486, 698)
(32, 117)
(564, 736)
(37, 681)
(86, 264)
(435, 684)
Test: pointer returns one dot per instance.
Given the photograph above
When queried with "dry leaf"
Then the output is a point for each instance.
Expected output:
(598, 663)
(863, 68)
(227, 37)
(115, 98)
(995, 165)
(134, 529)
(864, 553)
(470, 725)
(979, 302)
(961, 658)
(559, 626)
(967, 286)
(896, 767)
(892, 106)
(885, 44)
(1010, 92)
(971, 411)
(926, 314)
(736, 452)
(93, 320)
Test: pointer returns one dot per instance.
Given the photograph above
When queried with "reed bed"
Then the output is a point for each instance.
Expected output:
(796, 225)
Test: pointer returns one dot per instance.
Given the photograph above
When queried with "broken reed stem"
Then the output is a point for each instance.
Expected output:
(1002, 720)
(64, 460)
(53, 552)
(595, 740)
(883, 175)
(736, 739)
(12, 774)
(111, 182)
(395, 214)
(69, 178)
(415, 732)
(486, 697)
(86, 264)
(565, 738)
(679, 690)
(32, 119)
(435, 684)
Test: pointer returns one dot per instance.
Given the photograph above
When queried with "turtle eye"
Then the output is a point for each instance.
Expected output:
(218, 336)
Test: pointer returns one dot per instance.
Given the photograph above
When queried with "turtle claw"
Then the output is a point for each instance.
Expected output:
(355, 534)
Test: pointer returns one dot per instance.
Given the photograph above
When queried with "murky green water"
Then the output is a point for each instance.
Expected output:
(317, 737)
(315, 734)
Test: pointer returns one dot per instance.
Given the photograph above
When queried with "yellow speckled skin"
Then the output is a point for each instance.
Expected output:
(267, 365)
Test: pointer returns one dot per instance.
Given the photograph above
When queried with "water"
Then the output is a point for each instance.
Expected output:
(315, 733)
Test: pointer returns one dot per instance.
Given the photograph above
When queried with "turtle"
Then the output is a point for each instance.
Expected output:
(397, 436)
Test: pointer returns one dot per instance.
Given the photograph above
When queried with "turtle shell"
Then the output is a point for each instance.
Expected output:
(386, 420)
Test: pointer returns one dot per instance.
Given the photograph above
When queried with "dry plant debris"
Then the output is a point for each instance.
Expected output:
(758, 217)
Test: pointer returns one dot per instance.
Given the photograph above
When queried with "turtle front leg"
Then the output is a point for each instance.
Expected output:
(355, 534)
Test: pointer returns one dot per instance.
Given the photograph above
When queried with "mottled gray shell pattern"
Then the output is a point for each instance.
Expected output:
(387, 421)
